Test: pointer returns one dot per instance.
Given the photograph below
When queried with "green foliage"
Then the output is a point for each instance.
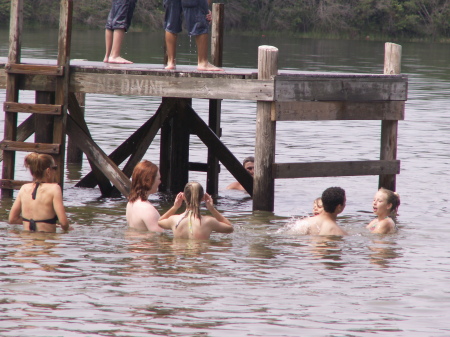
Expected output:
(355, 18)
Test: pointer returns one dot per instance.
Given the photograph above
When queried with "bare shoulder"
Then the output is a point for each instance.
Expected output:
(385, 226)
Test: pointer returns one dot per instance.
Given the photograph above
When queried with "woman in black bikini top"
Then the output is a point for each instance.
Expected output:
(40, 199)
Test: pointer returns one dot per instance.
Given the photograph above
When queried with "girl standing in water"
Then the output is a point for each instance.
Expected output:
(39, 205)
(191, 224)
(385, 205)
(140, 213)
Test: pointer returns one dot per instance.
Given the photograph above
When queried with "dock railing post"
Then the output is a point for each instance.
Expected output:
(264, 184)
(74, 154)
(389, 128)
(215, 105)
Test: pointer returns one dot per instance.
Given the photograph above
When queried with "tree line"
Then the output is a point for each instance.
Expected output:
(423, 19)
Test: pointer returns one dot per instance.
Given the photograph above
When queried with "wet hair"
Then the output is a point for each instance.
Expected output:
(393, 198)
(332, 197)
(193, 194)
(142, 180)
(250, 159)
(37, 163)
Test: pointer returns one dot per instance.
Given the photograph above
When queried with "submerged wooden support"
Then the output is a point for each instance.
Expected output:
(388, 149)
(264, 185)
(215, 105)
(74, 154)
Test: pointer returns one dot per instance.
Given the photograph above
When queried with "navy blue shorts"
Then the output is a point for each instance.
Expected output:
(121, 14)
(194, 13)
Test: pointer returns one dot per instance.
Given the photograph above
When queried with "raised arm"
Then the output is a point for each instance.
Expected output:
(164, 221)
(223, 225)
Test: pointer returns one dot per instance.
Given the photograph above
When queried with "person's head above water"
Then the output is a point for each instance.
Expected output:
(317, 206)
(249, 164)
(332, 199)
(193, 196)
(39, 164)
(144, 181)
(387, 198)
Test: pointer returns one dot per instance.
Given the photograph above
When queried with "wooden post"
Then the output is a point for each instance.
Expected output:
(388, 150)
(12, 92)
(44, 123)
(264, 184)
(215, 105)
(74, 154)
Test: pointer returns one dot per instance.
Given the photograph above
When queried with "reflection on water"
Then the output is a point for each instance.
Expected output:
(265, 279)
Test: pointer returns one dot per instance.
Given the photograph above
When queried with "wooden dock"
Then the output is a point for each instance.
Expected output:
(280, 96)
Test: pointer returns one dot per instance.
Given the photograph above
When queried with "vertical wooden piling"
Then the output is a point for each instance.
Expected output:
(215, 105)
(43, 124)
(264, 185)
(12, 92)
(74, 154)
(388, 149)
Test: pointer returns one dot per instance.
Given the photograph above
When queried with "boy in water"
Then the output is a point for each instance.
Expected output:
(333, 199)
(249, 165)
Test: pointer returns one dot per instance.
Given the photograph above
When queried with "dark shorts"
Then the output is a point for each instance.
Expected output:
(194, 13)
(121, 14)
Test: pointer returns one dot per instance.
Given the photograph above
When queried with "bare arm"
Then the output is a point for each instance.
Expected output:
(164, 221)
(16, 209)
(384, 227)
(59, 208)
(223, 225)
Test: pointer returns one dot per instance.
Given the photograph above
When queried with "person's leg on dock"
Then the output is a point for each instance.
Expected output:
(202, 50)
(117, 24)
(171, 49)
(172, 25)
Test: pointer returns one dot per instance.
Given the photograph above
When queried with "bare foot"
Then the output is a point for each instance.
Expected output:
(208, 67)
(119, 60)
(170, 66)
(105, 60)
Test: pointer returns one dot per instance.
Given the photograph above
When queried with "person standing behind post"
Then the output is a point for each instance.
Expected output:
(196, 16)
(39, 205)
(249, 165)
(117, 24)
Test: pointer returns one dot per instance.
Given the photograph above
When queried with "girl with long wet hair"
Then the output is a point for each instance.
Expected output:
(385, 206)
(140, 213)
(191, 224)
(39, 205)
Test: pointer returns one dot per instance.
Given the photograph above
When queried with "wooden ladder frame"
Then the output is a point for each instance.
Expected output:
(14, 140)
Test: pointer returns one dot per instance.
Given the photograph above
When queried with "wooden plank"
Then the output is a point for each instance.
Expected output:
(357, 88)
(12, 184)
(168, 86)
(10, 145)
(98, 157)
(316, 111)
(34, 69)
(45, 109)
(25, 130)
(335, 169)
(198, 167)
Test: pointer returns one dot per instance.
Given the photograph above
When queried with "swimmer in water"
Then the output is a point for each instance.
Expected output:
(317, 206)
(333, 200)
(385, 206)
(191, 224)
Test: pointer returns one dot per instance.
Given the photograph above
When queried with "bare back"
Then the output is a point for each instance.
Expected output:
(324, 224)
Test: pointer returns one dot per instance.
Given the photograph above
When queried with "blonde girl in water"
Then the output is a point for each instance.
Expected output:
(191, 224)
(385, 206)
(39, 205)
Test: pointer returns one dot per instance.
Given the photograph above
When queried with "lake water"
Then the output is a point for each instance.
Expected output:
(102, 279)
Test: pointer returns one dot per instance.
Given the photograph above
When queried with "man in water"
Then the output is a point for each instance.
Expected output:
(249, 165)
(333, 199)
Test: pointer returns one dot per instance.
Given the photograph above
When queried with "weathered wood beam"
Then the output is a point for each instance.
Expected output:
(12, 184)
(210, 139)
(100, 159)
(317, 111)
(77, 114)
(24, 130)
(335, 169)
(34, 69)
(10, 145)
(47, 109)
(356, 88)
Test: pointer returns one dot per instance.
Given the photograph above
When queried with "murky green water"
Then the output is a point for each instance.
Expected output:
(104, 280)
